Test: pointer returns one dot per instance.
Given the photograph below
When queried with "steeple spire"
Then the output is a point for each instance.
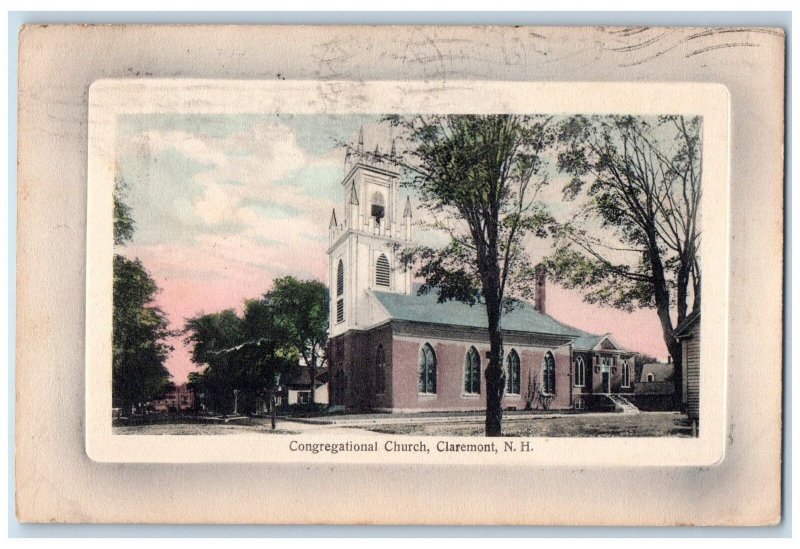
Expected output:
(333, 222)
(394, 151)
(361, 140)
(353, 196)
(407, 209)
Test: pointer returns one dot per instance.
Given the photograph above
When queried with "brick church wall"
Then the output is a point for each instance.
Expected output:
(450, 357)
(354, 354)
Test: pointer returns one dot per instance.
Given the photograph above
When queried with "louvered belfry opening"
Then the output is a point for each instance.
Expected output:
(340, 292)
(382, 271)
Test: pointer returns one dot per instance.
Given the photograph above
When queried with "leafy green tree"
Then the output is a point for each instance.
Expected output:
(207, 335)
(632, 240)
(240, 354)
(479, 176)
(299, 312)
(140, 328)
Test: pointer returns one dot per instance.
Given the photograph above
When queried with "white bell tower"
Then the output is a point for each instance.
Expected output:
(365, 238)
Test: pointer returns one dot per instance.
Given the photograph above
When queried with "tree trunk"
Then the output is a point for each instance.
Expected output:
(662, 299)
(494, 375)
(312, 373)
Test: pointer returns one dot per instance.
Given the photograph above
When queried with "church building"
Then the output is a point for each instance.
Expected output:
(395, 351)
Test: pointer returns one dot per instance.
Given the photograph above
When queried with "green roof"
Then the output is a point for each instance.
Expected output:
(426, 308)
(586, 342)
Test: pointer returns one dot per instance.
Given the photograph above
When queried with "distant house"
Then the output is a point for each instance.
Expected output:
(181, 399)
(688, 333)
(298, 389)
(655, 389)
(657, 378)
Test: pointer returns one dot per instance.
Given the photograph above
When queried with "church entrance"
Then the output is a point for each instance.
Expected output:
(607, 382)
(605, 365)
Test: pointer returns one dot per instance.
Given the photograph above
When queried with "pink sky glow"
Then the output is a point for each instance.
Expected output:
(183, 298)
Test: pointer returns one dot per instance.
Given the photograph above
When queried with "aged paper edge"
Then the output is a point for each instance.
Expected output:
(55, 480)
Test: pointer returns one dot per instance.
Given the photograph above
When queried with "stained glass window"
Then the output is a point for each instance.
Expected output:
(512, 373)
(472, 372)
(549, 374)
(427, 370)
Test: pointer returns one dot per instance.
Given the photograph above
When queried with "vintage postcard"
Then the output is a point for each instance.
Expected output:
(443, 274)
(403, 271)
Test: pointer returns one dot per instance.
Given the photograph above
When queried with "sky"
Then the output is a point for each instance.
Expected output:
(224, 204)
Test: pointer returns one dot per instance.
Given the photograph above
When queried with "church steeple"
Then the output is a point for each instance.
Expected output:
(364, 242)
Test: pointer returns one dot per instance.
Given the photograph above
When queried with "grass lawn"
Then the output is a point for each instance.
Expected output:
(646, 424)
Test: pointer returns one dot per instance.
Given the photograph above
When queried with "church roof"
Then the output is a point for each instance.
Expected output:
(682, 329)
(586, 342)
(590, 342)
(425, 308)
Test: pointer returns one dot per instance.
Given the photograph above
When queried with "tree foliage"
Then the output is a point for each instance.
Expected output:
(140, 328)
(244, 353)
(300, 313)
(632, 241)
(479, 176)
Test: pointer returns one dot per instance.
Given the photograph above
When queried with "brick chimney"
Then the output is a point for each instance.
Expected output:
(540, 291)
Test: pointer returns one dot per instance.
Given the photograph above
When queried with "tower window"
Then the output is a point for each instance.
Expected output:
(339, 310)
(340, 278)
(382, 271)
(378, 207)
(340, 292)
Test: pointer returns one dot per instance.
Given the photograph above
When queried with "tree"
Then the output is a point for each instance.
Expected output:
(633, 239)
(140, 328)
(479, 176)
(240, 354)
(299, 310)
(207, 335)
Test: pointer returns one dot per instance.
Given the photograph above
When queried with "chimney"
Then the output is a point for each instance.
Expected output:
(540, 291)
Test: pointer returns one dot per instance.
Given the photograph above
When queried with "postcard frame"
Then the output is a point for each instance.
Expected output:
(752, 103)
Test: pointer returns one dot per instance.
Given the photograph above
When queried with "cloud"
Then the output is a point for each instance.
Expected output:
(219, 216)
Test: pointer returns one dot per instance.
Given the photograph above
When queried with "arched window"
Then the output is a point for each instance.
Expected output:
(427, 370)
(512, 373)
(380, 370)
(340, 292)
(472, 372)
(580, 372)
(382, 271)
(651, 378)
(626, 374)
(549, 374)
(378, 207)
